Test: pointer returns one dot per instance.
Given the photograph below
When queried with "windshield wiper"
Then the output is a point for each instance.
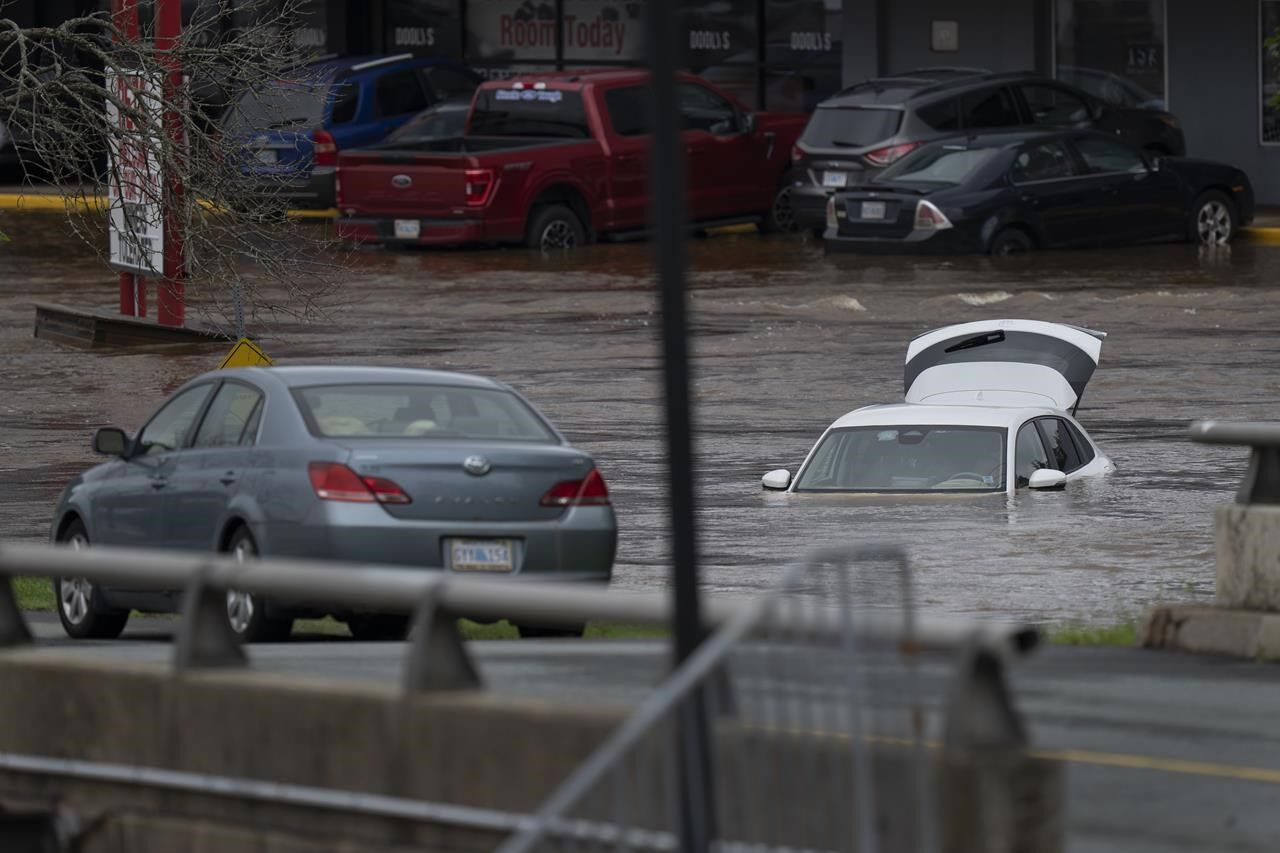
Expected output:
(844, 143)
(289, 122)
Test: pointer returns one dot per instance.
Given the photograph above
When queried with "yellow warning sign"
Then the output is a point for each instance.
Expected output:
(245, 354)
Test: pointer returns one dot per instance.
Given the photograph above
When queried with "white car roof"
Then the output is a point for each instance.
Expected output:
(914, 414)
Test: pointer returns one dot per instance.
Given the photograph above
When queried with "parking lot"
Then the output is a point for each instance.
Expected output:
(785, 340)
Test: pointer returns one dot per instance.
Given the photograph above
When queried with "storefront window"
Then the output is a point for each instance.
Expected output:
(503, 32)
(1113, 49)
(807, 32)
(424, 27)
(604, 30)
(1270, 71)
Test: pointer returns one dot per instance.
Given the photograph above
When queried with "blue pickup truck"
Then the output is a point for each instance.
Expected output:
(290, 133)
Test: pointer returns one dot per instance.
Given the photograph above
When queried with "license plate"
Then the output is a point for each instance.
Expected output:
(267, 156)
(481, 555)
(408, 229)
(873, 210)
(834, 179)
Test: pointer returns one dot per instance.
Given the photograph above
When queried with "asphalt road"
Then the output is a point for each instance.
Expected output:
(1164, 752)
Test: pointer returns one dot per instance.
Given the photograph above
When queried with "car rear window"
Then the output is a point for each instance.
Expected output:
(850, 127)
(419, 411)
(435, 123)
(529, 112)
(288, 105)
(938, 164)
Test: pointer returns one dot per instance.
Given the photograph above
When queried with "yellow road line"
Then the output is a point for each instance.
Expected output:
(1266, 236)
(1160, 765)
(1156, 764)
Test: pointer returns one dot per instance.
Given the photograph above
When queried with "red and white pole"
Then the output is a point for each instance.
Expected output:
(170, 302)
(133, 288)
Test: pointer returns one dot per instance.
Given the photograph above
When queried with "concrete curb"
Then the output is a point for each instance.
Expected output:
(53, 203)
(1205, 629)
(1266, 236)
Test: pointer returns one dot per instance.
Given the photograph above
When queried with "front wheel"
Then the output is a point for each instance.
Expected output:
(1213, 219)
(246, 612)
(1011, 241)
(555, 228)
(79, 606)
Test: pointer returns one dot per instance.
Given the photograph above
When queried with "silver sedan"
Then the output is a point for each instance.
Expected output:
(423, 469)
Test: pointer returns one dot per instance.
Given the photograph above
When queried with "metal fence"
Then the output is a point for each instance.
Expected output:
(798, 724)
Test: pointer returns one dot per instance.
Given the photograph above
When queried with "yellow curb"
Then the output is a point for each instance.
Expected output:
(1267, 236)
(740, 228)
(50, 203)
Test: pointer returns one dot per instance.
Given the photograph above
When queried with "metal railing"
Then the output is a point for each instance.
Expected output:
(437, 659)
(1261, 484)
(798, 724)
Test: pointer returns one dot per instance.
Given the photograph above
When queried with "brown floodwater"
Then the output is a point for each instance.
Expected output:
(784, 341)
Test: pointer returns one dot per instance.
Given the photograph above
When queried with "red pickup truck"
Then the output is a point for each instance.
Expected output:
(555, 160)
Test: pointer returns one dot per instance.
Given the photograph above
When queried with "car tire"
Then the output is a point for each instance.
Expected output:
(818, 233)
(246, 612)
(555, 228)
(1213, 219)
(77, 598)
(541, 632)
(378, 627)
(781, 218)
(1011, 241)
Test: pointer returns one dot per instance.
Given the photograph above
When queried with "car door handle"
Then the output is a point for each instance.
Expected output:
(159, 482)
(228, 478)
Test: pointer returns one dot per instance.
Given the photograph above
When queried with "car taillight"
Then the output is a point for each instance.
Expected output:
(333, 481)
(479, 185)
(891, 154)
(797, 154)
(929, 218)
(589, 491)
(324, 150)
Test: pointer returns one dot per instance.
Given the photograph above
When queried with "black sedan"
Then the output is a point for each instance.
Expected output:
(1009, 193)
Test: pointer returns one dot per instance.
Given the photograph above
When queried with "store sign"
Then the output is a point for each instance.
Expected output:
(135, 184)
(1144, 58)
(717, 32)
(424, 27)
(592, 30)
(603, 30)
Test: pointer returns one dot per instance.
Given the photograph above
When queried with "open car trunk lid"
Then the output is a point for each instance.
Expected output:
(1002, 363)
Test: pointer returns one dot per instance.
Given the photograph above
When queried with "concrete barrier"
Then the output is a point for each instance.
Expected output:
(466, 749)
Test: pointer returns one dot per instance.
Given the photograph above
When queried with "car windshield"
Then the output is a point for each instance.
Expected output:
(435, 123)
(529, 112)
(286, 106)
(419, 411)
(907, 459)
(850, 127)
(938, 164)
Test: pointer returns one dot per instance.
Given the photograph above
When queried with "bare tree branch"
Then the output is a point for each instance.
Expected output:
(245, 260)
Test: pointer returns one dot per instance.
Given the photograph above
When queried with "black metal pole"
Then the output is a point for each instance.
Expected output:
(669, 228)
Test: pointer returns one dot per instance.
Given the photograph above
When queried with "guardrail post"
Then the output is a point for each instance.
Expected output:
(437, 659)
(205, 638)
(13, 627)
(993, 797)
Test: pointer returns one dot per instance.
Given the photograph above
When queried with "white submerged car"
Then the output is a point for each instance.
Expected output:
(989, 408)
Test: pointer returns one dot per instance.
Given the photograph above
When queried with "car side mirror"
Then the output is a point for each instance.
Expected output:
(776, 481)
(110, 441)
(748, 123)
(1047, 478)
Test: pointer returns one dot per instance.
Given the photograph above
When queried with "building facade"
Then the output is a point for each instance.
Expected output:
(1215, 65)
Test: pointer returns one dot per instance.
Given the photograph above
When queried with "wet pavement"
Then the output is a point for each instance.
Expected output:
(785, 340)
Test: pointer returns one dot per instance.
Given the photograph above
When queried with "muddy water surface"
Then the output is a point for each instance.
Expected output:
(785, 340)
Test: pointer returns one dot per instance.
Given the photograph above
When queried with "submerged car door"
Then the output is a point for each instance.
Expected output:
(628, 163)
(129, 508)
(1139, 203)
(1059, 201)
(722, 158)
(1002, 363)
(208, 475)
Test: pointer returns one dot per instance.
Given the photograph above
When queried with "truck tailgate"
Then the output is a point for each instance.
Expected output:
(393, 183)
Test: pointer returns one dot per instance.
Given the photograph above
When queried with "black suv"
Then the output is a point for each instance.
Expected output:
(867, 127)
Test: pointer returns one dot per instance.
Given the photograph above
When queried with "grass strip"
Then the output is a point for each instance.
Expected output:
(1123, 634)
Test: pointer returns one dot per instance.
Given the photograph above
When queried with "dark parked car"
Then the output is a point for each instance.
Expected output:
(870, 126)
(292, 132)
(1008, 193)
(421, 469)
